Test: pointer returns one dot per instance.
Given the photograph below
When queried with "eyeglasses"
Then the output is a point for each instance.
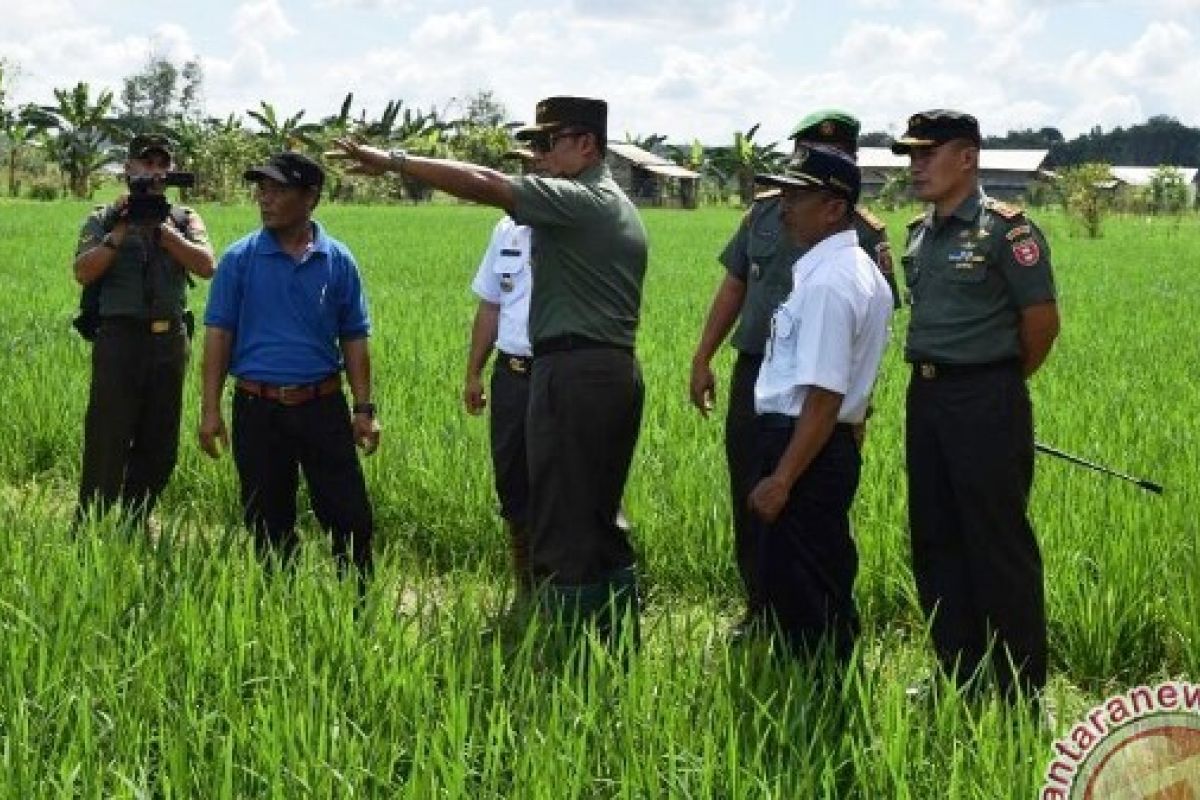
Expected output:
(547, 142)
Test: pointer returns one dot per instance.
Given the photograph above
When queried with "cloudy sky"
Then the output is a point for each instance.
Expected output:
(684, 68)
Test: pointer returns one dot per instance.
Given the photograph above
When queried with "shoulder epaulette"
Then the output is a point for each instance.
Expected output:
(874, 222)
(917, 220)
(1005, 210)
(767, 194)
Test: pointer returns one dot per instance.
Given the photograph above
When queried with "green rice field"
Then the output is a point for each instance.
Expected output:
(180, 668)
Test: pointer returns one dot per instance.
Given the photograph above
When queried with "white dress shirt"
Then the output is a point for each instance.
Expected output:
(505, 278)
(830, 332)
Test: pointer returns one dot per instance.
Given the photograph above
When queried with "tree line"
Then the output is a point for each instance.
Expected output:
(62, 146)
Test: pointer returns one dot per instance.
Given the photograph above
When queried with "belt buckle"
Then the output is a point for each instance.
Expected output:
(928, 371)
(160, 325)
(285, 396)
(517, 364)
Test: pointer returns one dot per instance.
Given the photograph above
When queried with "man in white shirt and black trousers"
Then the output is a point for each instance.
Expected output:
(826, 342)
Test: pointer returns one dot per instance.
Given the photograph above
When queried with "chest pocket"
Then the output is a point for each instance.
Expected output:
(761, 249)
(967, 264)
(508, 264)
(785, 327)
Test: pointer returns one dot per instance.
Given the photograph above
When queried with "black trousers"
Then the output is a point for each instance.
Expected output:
(969, 444)
(272, 443)
(744, 461)
(806, 559)
(131, 431)
(585, 413)
(509, 400)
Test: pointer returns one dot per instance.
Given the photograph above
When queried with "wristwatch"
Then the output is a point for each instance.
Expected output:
(397, 158)
(365, 408)
(108, 241)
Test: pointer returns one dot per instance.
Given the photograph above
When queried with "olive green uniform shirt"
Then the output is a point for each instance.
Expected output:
(588, 256)
(123, 288)
(761, 256)
(969, 276)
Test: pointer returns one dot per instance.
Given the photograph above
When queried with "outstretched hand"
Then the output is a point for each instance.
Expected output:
(367, 160)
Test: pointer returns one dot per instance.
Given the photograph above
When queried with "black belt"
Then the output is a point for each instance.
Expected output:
(780, 422)
(152, 325)
(518, 364)
(571, 341)
(929, 370)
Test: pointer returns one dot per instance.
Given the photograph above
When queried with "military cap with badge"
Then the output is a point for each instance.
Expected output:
(828, 126)
(553, 117)
(818, 167)
(931, 128)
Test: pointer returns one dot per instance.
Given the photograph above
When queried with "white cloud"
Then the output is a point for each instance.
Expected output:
(262, 20)
(725, 17)
(868, 45)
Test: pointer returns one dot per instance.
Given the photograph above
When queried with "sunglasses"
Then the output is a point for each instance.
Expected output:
(547, 142)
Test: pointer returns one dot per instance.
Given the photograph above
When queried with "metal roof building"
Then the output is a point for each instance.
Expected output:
(651, 179)
(1003, 173)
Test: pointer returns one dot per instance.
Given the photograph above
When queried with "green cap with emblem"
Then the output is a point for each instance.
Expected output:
(828, 126)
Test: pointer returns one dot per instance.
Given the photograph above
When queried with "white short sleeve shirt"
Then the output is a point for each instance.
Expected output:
(505, 278)
(830, 332)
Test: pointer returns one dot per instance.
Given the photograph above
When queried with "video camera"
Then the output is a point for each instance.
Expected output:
(148, 207)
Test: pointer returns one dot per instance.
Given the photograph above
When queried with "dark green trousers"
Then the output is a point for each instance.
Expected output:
(131, 431)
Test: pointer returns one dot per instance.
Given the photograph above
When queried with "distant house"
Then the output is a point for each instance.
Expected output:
(1137, 177)
(1005, 174)
(651, 180)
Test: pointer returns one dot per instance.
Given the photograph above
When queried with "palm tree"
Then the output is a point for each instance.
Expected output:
(284, 133)
(83, 133)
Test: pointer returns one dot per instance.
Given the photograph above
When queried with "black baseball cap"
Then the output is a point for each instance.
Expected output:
(554, 113)
(290, 169)
(941, 125)
(819, 167)
(144, 144)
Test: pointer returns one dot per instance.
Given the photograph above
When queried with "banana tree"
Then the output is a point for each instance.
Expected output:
(20, 133)
(745, 158)
(83, 131)
(284, 133)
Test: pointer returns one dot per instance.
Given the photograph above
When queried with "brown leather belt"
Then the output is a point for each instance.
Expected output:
(294, 394)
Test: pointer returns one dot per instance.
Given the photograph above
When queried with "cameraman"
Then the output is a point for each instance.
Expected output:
(134, 258)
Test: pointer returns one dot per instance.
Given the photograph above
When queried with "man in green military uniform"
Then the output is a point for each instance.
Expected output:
(758, 262)
(983, 320)
(140, 345)
(589, 257)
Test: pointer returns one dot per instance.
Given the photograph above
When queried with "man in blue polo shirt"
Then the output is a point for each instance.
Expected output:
(285, 315)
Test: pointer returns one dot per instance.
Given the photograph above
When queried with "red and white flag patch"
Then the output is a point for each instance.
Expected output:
(1026, 252)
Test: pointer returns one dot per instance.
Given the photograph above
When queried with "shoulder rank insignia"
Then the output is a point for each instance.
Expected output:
(874, 222)
(767, 194)
(1005, 210)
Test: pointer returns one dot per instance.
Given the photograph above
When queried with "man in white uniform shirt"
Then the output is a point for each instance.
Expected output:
(826, 342)
(503, 284)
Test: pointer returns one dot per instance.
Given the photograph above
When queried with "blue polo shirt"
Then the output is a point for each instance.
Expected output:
(287, 316)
